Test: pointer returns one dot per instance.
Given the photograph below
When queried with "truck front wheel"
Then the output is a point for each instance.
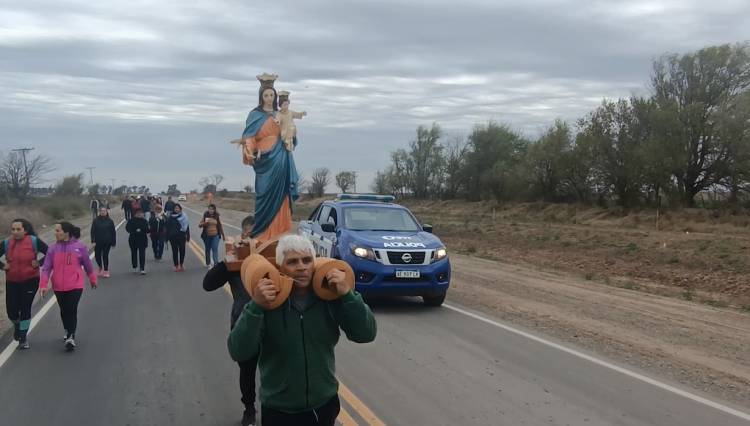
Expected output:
(434, 301)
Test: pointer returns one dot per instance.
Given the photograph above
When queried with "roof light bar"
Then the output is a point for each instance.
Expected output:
(367, 197)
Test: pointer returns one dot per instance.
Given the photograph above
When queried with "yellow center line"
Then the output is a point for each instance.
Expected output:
(344, 417)
(359, 406)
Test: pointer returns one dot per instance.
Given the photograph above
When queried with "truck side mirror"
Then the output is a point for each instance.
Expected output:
(328, 227)
(427, 228)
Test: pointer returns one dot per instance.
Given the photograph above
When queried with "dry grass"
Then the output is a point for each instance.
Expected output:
(697, 252)
(43, 212)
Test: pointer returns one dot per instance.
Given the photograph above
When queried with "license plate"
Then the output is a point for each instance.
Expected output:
(407, 274)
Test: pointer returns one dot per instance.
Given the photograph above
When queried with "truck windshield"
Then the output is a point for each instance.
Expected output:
(379, 219)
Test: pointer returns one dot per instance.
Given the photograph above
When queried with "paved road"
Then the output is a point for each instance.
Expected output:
(153, 352)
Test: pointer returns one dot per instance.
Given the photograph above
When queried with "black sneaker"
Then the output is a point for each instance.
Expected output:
(23, 344)
(248, 418)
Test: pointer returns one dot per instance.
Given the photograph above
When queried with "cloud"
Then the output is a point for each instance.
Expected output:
(367, 73)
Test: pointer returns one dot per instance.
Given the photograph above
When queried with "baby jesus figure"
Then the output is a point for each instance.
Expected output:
(286, 118)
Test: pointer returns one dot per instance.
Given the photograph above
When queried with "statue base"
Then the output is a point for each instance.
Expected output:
(238, 249)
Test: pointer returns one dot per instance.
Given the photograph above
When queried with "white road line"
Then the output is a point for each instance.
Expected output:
(606, 364)
(11, 348)
(223, 223)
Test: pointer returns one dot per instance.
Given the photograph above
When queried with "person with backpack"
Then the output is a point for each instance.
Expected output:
(212, 233)
(21, 275)
(104, 238)
(215, 278)
(178, 232)
(158, 230)
(137, 227)
(63, 265)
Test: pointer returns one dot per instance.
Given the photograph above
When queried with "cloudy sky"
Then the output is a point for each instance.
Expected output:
(150, 92)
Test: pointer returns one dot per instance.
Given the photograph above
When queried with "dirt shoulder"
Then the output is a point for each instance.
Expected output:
(701, 346)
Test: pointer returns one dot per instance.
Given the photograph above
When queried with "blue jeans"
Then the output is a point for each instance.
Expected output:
(211, 245)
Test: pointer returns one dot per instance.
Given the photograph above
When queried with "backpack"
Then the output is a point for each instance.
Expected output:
(34, 244)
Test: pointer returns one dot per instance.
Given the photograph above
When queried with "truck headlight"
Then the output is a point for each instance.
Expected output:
(363, 252)
(439, 254)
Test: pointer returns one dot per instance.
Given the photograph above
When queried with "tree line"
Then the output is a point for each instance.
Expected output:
(689, 137)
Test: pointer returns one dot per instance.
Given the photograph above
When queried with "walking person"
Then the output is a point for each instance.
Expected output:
(104, 238)
(178, 232)
(94, 206)
(63, 264)
(169, 205)
(137, 227)
(21, 276)
(215, 278)
(127, 208)
(295, 342)
(158, 230)
(211, 234)
(146, 207)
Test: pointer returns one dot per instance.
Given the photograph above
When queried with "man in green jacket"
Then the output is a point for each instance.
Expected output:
(295, 341)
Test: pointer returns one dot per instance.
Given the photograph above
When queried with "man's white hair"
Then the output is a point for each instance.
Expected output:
(293, 242)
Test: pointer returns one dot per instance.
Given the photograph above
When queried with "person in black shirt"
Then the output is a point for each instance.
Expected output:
(137, 227)
(127, 208)
(104, 235)
(215, 278)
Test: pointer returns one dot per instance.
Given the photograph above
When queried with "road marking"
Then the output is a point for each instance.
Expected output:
(198, 251)
(359, 406)
(597, 361)
(345, 418)
(348, 396)
(11, 348)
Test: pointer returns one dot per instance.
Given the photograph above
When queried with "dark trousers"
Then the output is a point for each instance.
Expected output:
(18, 299)
(137, 254)
(247, 383)
(68, 303)
(101, 253)
(178, 250)
(158, 246)
(324, 415)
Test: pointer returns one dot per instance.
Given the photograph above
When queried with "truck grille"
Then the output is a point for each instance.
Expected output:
(397, 257)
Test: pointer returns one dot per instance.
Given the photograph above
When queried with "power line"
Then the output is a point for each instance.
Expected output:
(91, 173)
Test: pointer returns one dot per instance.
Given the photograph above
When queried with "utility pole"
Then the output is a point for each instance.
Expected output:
(91, 173)
(113, 185)
(23, 152)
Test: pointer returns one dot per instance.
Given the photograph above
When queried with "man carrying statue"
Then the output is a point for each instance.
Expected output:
(294, 342)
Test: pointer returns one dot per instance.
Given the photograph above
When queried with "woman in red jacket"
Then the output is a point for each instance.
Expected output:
(21, 275)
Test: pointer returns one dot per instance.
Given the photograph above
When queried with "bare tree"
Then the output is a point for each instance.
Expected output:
(211, 183)
(321, 177)
(18, 178)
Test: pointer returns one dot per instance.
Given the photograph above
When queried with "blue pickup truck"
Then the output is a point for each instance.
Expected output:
(392, 254)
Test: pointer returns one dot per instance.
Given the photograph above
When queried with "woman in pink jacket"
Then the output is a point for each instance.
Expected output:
(63, 264)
